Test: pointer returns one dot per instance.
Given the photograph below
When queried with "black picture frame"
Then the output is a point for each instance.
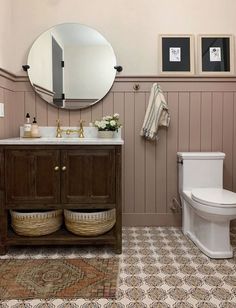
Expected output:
(216, 55)
(176, 55)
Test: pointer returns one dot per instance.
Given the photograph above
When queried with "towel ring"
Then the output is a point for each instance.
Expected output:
(136, 86)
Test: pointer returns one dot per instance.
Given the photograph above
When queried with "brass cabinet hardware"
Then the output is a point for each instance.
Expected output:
(63, 168)
(56, 168)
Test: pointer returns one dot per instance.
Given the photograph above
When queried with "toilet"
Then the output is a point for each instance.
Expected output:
(207, 208)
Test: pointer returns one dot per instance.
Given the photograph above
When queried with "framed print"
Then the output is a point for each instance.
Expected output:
(215, 55)
(176, 54)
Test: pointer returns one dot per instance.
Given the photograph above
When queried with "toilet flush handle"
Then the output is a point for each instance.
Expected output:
(180, 162)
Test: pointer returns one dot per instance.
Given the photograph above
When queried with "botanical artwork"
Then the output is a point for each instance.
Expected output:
(174, 54)
(215, 54)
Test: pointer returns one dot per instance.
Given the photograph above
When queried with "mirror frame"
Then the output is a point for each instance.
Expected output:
(47, 95)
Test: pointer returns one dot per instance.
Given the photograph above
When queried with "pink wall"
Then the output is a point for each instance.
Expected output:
(203, 118)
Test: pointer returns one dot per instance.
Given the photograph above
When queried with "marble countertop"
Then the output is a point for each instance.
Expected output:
(59, 141)
(48, 134)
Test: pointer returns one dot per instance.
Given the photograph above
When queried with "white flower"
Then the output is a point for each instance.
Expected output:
(103, 124)
(108, 123)
(113, 123)
(107, 118)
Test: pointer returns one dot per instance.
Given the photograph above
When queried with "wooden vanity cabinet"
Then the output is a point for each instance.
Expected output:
(49, 177)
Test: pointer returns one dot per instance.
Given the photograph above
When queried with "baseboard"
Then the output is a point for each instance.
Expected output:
(155, 220)
(151, 219)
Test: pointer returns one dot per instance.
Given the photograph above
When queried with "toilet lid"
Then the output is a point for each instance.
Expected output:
(217, 197)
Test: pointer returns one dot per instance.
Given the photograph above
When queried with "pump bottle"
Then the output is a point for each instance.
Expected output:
(34, 129)
(27, 126)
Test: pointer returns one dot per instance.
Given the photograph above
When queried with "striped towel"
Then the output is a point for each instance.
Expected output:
(156, 114)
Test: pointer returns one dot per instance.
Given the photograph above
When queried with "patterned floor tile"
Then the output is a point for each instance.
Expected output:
(159, 268)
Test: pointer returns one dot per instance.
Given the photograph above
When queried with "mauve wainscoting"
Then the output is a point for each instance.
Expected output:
(203, 118)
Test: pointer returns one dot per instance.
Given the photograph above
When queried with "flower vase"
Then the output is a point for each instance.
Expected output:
(105, 134)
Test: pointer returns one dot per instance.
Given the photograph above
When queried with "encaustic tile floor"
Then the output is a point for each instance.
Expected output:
(159, 267)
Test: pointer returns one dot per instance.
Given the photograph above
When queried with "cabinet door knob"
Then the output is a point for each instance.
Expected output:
(56, 168)
(63, 168)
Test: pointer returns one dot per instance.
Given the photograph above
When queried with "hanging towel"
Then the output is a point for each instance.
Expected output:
(156, 115)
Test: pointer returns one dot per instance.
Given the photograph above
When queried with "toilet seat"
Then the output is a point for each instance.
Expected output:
(216, 197)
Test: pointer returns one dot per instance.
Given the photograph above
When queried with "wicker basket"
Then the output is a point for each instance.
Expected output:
(36, 223)
(89, 223)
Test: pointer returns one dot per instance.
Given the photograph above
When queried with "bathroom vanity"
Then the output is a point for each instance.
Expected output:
(70, 172)
(65, 173)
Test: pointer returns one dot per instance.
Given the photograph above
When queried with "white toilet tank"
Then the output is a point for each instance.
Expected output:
(200, 169)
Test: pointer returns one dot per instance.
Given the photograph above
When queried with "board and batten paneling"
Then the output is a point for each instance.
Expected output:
(203, 118)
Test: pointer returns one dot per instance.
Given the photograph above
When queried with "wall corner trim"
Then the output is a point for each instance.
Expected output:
(16, 78)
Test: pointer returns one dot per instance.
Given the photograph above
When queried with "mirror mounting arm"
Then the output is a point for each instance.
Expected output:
(118, 68)
(25, 67)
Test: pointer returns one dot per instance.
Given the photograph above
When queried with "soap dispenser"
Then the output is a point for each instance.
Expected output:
(27, 127)
(35, 129)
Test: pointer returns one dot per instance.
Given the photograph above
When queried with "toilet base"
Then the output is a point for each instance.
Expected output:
(212, 237)
(212, 254)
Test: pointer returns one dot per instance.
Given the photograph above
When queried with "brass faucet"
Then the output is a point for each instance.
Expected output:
(81, 129)
(59, 130)
(68, 131)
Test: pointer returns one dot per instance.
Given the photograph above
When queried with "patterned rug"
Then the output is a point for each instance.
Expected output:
(58, 278)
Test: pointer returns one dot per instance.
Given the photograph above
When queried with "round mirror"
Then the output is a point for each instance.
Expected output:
(71, 66)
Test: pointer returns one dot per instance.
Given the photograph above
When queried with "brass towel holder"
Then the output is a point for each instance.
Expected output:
(136, 86)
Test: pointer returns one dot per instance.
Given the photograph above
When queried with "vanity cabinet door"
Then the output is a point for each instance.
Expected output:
(32, 176)
(88, 175)
(102, 176)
